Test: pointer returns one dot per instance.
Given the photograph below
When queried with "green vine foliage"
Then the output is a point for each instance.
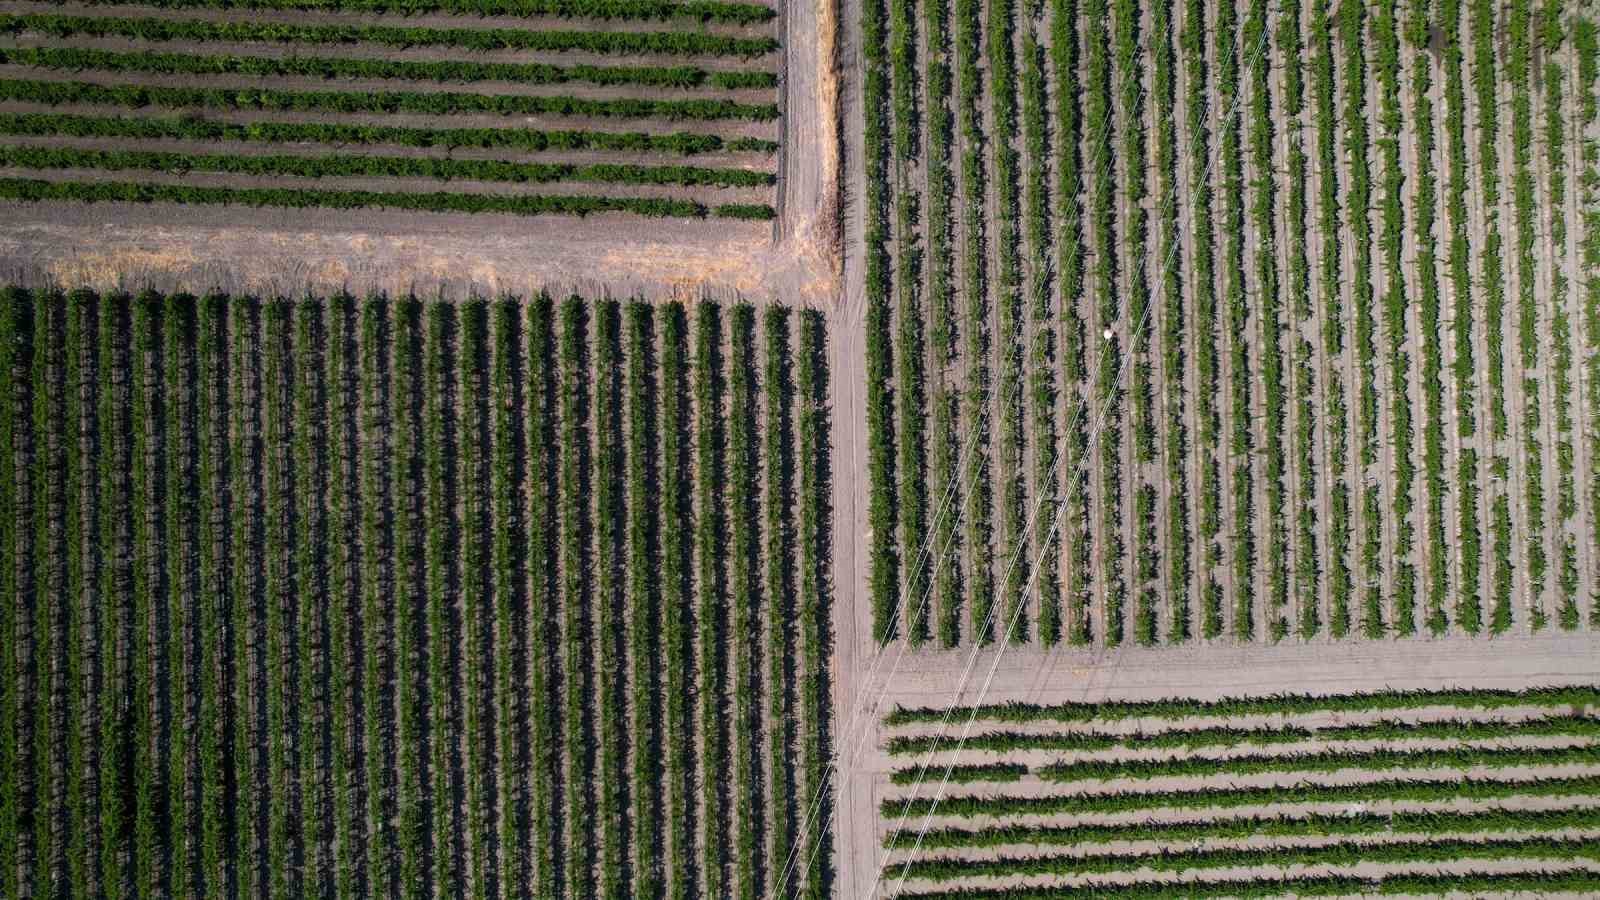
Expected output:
(621, 10)
(77, 59)
(523, 205)
(328, 505)
(524, 139)
(432, 103)
(200, 31)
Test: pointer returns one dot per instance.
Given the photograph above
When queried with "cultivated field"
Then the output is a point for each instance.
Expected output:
(1240, 321)
(446, 147)
(1136, 447)
(410, 599)
(566, 106)
(1421, 792)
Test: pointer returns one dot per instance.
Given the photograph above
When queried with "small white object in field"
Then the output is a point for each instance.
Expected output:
(1107, 334)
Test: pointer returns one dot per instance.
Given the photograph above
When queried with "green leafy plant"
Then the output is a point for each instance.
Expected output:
(1355, 825)
(1002, 772)
(80, 59)
(744, 532)
(245, 471)
(644, 589)
(1542, 848)
(1579, 880)
(1332, 344)
(1241, 436)
(339, 165)
(1135, 233)
(1013, 538)
(120, 192)
(1203, 290)
(1266, 736)
(1068, 213)
(609, 595)
(779, 586)
(283, 820)
(475, 585)
(544, 511)
(711, 590)
(1436, 547)
(629, 43)
(910, 351)
(1396, 304)
(975, 418)
(944, 591)
(16, 309)
(380, 579)
(577, 598)
(215, 624)
(1352, 27)
(1283, 704)
(410, 598)
(1587, 46)
(1103, 281)
(1270, 318)
(1468, 607)
(432, 103)
(74, 618)
(1421, 787)
(531, 140)
(696, 10)
(811, 382)
(1462, 757)
(1175, 319)
(882, 514)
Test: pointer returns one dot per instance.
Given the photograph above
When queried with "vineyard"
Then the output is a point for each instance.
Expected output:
(1230, 321)
(518, 107)
(392, 598)
(1047, 447)
(1419, 793)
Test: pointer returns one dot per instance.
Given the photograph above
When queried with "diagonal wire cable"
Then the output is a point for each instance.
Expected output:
(961, 465)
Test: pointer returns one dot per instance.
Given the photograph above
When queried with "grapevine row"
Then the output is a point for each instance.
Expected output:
(480, 39)
(431, 103)
(338, 165)
(79, 59)
(621, 10)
